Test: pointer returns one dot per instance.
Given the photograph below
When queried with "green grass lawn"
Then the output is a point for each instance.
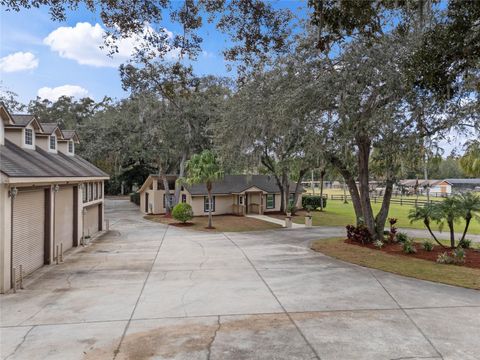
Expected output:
(402, 265)
(339, 214)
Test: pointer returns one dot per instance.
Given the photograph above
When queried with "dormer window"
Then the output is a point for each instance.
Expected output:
(28, 137)
(70, 147)
(53, 142)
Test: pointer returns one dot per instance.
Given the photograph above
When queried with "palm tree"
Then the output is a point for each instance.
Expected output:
(203, 168)
(425, 214)
(468, 205)
(447, 211)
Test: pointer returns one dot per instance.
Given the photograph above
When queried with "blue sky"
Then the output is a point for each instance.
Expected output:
(37, 53)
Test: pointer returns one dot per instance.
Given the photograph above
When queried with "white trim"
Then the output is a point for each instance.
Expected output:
(24, 134)
(54, 149)
(49, 180)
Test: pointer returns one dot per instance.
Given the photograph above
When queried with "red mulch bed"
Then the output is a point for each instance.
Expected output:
(472, 256)
(179, 224)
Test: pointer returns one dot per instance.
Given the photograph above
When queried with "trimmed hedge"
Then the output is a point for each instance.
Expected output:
(135, 198)
(314, 201)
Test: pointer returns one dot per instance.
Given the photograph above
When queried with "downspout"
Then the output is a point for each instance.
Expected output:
(54, 237)
(13, 195)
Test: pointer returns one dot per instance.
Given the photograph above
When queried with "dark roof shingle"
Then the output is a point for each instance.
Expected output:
(239, 183)
(18, 162)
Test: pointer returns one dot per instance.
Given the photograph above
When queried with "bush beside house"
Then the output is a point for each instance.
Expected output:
(314, 201)
(182, 212)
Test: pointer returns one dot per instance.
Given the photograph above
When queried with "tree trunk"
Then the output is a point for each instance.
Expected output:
(322, 175)
(286, 190)
(352, 186)
(363, 157)
(382, 215)
(163, 177)
(298, 184)
(468, 218)
(181, 174)
(452, 233)
(209, 190)
(427, 225)
(168, 206)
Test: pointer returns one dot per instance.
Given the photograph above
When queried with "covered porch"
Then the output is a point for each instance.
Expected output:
(250, 201)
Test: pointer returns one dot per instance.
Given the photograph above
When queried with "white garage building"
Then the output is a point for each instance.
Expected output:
(50, 198)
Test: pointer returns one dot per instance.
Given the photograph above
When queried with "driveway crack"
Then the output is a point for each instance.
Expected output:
(217, 329)
(21, 343)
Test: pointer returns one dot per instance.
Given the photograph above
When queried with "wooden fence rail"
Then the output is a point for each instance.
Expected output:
(379, 199)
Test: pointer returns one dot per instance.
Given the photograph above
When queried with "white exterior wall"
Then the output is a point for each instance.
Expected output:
(277, 203)
(223, 205)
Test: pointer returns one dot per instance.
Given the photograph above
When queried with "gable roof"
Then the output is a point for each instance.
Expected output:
(49, 128)
(70, 135)
(18, 162)
(23, 120)
(5, 115)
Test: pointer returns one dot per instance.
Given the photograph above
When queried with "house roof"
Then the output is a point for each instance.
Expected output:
(49, 128)
(22, 120)
(232, 184)
(463, 181)
(18, 162)
(413, 182)
(70, 135)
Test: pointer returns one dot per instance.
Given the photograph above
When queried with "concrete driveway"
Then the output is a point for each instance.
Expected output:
(147, 291)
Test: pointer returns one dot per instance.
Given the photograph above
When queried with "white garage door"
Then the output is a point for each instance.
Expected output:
(64, 217)
(28, 230)
(91, 220)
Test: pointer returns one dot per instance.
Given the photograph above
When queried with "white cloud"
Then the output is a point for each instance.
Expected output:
(83, 43)
(53, 94)
(18, 61)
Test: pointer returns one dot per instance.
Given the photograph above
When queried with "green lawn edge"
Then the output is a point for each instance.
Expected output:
(400, 265)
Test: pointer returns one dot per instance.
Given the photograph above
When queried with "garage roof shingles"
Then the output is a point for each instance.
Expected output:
(18, 162)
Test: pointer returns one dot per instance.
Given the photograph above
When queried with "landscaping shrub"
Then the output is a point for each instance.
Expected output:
(456, 257)
(465, 243)
(378, 244)
(291, 209)
(409, 247)
(182, 212)
(135, 198)
(359, 233)
(402, 237)
(427, 245)
(314, 201)
(444, 258)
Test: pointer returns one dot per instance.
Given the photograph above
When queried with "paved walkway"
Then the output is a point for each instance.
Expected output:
(274, 220)
(148, 291)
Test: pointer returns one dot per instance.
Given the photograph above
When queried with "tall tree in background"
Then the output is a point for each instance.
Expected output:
(470, 161)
